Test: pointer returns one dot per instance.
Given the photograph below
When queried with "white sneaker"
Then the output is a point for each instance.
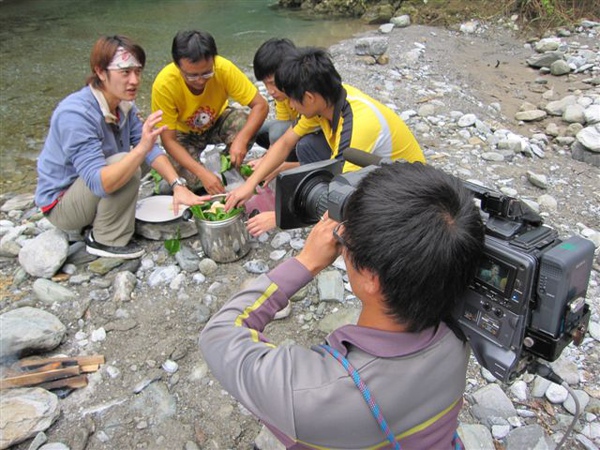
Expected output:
(283, 313)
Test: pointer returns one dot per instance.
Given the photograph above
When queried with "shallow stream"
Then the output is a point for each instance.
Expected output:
(45, 46)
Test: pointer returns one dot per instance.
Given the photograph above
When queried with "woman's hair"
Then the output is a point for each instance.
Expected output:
(104, 51)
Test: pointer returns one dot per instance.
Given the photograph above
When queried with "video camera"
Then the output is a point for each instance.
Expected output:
(528, 296)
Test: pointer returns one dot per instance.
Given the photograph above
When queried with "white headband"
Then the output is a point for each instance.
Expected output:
(123, 60)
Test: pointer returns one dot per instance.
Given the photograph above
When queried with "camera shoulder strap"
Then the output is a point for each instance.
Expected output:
(457, 443)
(364, 390)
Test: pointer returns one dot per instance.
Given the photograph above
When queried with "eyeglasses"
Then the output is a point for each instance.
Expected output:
(196, 77)
(336, 234)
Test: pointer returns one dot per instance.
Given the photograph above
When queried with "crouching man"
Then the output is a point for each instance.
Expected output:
(411, 240)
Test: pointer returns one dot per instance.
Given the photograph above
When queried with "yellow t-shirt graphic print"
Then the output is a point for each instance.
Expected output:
(183, 111)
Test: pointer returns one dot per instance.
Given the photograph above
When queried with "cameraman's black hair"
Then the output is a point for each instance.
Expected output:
(310, 69)
(269, 56)
(193, 45)
(419, 230)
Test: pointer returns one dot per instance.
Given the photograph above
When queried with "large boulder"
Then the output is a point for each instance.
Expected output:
(29, 329)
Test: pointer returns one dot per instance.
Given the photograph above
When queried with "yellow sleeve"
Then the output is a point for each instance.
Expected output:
(304, 125)
(238, 85)
(163, 97)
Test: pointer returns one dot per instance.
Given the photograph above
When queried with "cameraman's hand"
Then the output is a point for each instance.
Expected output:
(321, 248)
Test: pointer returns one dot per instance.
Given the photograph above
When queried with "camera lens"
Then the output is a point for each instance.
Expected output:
(311, 201)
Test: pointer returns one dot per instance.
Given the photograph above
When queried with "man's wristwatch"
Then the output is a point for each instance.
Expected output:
(178, 182)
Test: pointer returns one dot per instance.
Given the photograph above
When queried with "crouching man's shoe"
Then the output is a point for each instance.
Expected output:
(130, 251)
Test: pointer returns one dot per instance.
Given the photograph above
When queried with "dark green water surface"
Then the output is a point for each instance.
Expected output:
(45, 46)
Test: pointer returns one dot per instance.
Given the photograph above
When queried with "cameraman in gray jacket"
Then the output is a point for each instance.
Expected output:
(412, 239)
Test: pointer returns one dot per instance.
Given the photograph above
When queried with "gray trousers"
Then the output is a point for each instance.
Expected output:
(112, 218)
(313, 147)
(270, 131)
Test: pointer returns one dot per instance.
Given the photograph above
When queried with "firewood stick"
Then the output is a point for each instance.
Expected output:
(76, 382)
(45, 368)
(36, 378)
(67, 360)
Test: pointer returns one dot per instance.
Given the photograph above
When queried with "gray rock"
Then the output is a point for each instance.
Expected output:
(401, 21)
(493, 399)
(556, 394)
(207, 266)
(547, 45)
(574, 114)
(19, 202)
(592, 114)
(25, 413)
(163, 275)
(166, 230)
(123, 285)
(280, 239)
(44, 255)
(540, 386)
(475, 436)
(29, 329)
(530, 116)
(102, 266)
(256, 266)
(557, 108)
(187, 259)
(338, 318)
(331, 286)
(547, 202)
(538, 180)
(54, 446)
(589, 137)
(469, 27)
(560, 67)
(276, 255)
(582, 397)
(467, 120)
(580, 153)
(544, 60)
(492, 156)
(529, 437)
(519, 390)
(266, 441)
(50, 292)
(39, 440)
(386, 28)
(371, 46)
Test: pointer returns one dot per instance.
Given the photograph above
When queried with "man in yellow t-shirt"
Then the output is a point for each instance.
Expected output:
(313, 146)
(193, 93)
(348, 118)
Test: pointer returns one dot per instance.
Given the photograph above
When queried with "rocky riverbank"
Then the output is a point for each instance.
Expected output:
(483, 108)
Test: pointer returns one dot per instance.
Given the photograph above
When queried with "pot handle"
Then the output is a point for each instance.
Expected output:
(187, 215)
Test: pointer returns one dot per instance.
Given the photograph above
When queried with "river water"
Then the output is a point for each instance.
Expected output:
(45, 46)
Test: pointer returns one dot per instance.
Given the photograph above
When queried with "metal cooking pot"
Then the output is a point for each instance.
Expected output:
(223, 240)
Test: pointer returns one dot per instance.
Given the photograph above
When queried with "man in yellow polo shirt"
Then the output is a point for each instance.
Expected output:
(193, 93)
(348, 118)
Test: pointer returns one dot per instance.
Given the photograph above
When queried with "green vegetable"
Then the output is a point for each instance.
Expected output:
(202, 212)
(156, 178)
(225, 163)
(246, 170)
(173, 245)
